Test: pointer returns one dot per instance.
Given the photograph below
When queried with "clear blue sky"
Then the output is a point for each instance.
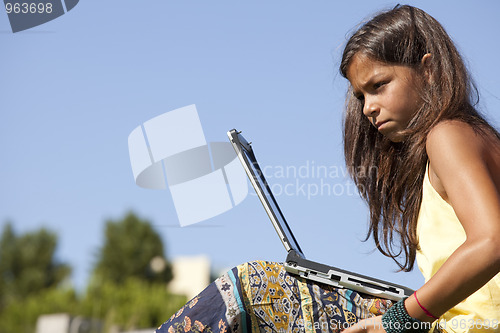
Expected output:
(73, 89)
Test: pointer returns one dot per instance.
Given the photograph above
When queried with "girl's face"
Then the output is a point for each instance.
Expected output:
(388, 93)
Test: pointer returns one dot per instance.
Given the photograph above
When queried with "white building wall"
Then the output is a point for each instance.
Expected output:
(191, 275)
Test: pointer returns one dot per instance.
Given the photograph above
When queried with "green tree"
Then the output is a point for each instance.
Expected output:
(27, 263)
(129, 285)
(20, 315)
(133, 304)
(127, 290)
(30, 280)
(132, 248)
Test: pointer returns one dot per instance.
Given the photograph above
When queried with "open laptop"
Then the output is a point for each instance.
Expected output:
(296, 263)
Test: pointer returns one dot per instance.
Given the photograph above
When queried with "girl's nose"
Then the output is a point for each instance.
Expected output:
(370, 109)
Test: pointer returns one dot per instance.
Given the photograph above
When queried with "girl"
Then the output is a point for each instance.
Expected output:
(436, 195)
(435, 198)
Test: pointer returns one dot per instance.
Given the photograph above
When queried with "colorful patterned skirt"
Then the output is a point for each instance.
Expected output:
(262, 297)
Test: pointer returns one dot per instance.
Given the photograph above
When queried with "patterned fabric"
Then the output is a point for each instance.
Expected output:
(262, 297)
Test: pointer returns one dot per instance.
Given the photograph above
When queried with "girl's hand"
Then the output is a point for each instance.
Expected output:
(370, 325)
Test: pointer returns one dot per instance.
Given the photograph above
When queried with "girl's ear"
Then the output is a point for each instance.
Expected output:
(426, 66)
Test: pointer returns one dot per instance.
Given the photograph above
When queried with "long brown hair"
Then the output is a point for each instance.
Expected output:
(393, 187)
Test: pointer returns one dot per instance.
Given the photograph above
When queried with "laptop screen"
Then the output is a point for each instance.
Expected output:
(296, 262)
(266, 196)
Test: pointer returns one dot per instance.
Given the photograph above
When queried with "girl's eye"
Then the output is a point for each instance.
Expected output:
(379, 85)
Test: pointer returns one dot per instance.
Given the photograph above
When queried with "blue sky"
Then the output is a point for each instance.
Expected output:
(74, 88)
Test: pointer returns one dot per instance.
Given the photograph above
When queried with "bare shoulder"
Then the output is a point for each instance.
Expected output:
(457, 138)
(457, 150)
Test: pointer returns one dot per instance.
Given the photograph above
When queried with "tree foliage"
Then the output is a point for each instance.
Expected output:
(29, 279)
(20, 315)
(27, 263)
(133, 304)
(130, 249)
(128, 289)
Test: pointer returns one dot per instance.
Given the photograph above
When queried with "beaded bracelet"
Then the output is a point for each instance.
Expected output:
(397, 320)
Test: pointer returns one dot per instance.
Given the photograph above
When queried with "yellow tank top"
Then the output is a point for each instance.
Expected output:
(440, 233)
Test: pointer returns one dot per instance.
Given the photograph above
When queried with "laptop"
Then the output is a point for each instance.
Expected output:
(296, 262)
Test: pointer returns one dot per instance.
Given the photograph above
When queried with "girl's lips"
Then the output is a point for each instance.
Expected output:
(378, 124)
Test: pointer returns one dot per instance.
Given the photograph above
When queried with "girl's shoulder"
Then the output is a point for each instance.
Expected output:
(456, 150)
(455, 137)
(464, 168)
(460, 153)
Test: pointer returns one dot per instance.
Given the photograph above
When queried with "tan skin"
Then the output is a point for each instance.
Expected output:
(464, 168)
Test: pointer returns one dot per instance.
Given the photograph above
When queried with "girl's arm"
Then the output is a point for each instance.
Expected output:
(465, 168)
